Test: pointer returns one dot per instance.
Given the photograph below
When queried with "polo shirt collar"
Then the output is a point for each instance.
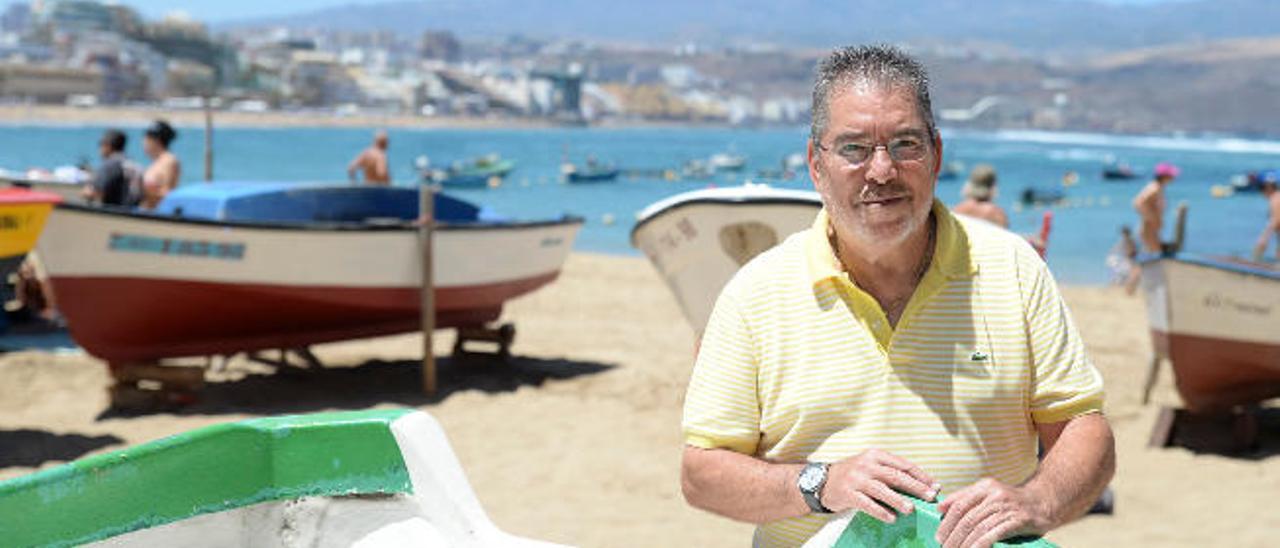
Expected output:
(951, 255)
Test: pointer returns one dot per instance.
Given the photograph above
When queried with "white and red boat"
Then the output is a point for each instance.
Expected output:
(229, 268)
(1218, 322)
(697, 240)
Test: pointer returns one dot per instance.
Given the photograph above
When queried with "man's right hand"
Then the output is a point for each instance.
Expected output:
(869, 481)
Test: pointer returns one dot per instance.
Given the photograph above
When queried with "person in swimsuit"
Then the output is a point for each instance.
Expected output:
(161, 177)
(1150, 205)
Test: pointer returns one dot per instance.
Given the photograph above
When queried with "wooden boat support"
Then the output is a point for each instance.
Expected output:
(303, 354)
(1232, 431)
(140, 386)
(502, 336)
(151, 385)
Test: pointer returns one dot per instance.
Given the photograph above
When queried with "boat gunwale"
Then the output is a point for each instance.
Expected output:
(324, 226)
(1209, 262)
(649, 216)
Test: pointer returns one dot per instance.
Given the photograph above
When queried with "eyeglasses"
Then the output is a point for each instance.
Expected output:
(902, 149)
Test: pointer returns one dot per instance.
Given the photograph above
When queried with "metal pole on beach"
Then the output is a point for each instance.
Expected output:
(208, 140)
(426, 227)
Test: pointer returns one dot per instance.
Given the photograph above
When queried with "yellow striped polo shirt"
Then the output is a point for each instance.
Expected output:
(799, 364)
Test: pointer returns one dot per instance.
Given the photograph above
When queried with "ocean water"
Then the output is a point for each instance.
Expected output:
(1083, 231)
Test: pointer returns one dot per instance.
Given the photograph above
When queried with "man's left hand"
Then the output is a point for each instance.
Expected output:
(987, 512)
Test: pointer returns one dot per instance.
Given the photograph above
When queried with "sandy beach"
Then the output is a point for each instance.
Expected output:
(578, 440)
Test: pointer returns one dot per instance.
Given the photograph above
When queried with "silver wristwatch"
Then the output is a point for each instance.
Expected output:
(810, 482)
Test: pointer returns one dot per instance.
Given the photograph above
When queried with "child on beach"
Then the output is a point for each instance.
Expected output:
(1122, 261)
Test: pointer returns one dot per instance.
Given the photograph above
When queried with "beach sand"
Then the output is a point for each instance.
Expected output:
(578, 441)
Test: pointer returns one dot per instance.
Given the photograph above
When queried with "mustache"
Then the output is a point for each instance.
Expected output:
(876, 193)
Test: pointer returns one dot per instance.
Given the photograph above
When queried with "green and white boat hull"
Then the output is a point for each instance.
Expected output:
(369, 479)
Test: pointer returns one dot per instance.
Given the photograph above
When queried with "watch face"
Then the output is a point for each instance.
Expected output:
(810, 478)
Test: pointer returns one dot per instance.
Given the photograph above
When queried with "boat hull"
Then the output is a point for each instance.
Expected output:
(22, 218)
(137, 287)
(374, 479)
(1215, 321)
(698, 240)
(167, 318)
(593, 177)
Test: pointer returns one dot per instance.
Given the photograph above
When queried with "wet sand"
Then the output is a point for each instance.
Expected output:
(578, 441)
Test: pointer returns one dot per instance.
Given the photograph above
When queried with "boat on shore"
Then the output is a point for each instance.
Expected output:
(1215, 320)
(235, 267)
(378, 478)
(697, 240)
(22, 218)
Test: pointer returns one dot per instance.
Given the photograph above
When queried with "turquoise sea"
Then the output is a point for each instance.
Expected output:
(1083, 231)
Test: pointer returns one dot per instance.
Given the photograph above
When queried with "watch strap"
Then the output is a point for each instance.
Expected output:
(812, 497)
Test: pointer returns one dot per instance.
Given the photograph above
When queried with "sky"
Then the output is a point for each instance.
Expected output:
(213, 11)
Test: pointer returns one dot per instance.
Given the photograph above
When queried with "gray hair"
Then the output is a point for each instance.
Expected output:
(885, 66)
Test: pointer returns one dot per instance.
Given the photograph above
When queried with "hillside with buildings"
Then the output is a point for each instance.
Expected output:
(83, 53)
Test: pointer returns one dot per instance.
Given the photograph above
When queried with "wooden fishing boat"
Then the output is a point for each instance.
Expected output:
(697, 240)
(227, 268)
(384, 478)
(1216, 321)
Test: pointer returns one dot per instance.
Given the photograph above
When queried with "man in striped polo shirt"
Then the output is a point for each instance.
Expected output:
(892, 348)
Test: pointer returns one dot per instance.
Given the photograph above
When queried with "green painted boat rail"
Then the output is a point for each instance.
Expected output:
(914, 530)
(206, 470)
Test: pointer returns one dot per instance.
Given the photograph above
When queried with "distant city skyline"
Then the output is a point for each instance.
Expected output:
(216, 11)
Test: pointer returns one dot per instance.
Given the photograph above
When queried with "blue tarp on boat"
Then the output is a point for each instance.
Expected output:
(302, 203)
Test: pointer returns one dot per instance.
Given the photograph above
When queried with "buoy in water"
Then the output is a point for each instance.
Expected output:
(1221, 191)
(607, 219)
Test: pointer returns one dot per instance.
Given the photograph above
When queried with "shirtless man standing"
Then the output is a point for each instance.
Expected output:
(1150, 204)
(1273, 221)
(373, 161)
